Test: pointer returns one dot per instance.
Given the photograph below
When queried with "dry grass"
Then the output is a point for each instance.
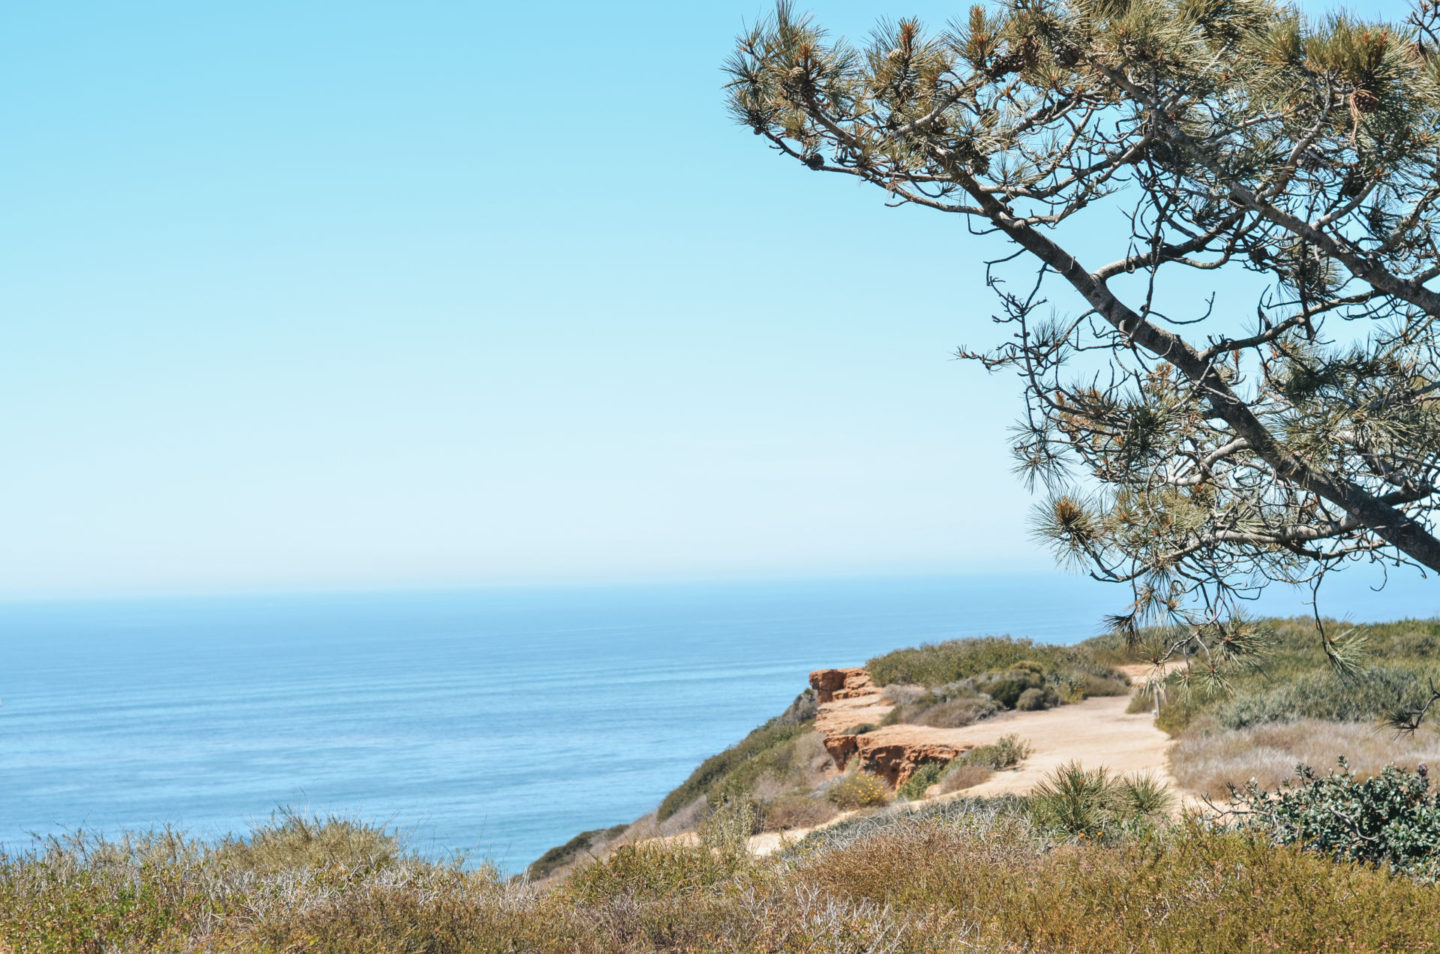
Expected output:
(965, 776)
(965, 876)
(1207, 758)
(796, 811)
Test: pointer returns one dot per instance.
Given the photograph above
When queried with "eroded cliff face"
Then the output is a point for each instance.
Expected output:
(849, 699)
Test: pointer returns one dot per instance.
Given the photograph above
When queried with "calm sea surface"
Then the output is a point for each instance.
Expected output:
(496, 723)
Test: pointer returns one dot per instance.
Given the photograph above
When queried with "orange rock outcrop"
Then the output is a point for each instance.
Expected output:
(851, 683)
(849, 698)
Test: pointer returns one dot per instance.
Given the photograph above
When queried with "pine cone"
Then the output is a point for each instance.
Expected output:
(1364, 101)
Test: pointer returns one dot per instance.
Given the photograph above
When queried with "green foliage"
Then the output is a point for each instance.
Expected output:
(1298, 681)
(1035, 698)
(293, 841)
(1093, 802)
(970, 679)
(786, 812)
(926, 775)
(1391, 820)
(573, 850)
(1007, 751)
(1190, 453)
(858, 790)
(732, 773)
(1324, 695)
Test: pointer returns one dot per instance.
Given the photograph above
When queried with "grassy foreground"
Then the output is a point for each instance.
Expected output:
(967, 876)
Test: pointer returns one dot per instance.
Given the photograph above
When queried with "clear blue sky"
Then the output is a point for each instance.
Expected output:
(347, 294)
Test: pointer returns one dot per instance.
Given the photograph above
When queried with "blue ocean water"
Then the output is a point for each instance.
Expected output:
(496, 723)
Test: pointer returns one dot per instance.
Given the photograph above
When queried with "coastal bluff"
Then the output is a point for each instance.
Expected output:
(849, 700)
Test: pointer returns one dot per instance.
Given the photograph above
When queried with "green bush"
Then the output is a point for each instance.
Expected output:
(937, 664)
(970, 679)
(1326, 696)
(1032, 700)
(1294, 679)
(292, 841)
(858, 790)
(1004, 752)
(1093, 802)
(1390, 820)
(926, 775)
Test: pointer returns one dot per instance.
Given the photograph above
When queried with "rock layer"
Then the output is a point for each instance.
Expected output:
(849, 698)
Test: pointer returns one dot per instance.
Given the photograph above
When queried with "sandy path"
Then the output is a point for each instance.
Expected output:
(1097, 732)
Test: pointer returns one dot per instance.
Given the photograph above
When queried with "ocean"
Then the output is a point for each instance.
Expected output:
(489, 723)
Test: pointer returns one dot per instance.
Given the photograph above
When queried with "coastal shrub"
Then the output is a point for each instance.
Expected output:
(966, 874)
(1003, 753)
(1010, 665)
(950, 706)
(581, 846)
(1033, 699)
(1391, 820)
(1091, 802)
(292, 841)
(801, 710)
(926, 775)
(859, 789)
(1326, 696)
(1186, 890)
(768, 748)
(953, 713)
(1294, 679)
(860, 729)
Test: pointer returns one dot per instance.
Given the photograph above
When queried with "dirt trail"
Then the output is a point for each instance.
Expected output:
(1096, 732)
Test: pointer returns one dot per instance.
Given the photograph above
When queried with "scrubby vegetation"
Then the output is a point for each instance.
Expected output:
(1294, 706)
(963, 875)
(1209, 760)
(1391, 819)
(782, 748)
(858, 789)
(1294, 679)
(576, 849)
(961, 681)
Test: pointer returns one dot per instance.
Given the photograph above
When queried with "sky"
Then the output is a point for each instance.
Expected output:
(439, 293)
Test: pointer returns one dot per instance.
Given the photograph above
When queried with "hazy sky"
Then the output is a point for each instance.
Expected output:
(441, 292)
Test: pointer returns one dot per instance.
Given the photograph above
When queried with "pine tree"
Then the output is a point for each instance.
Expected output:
(1191, 449)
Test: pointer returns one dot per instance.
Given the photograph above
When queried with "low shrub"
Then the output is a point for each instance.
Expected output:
(1391, 820)
(1004, 752)
(291, 841)
(926, 775)
(1093, 802)
(1032, 700)
(572, 851)
(858, 790)
(954, 713)
(860, 729)
(770, 748)
(1326, 696)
